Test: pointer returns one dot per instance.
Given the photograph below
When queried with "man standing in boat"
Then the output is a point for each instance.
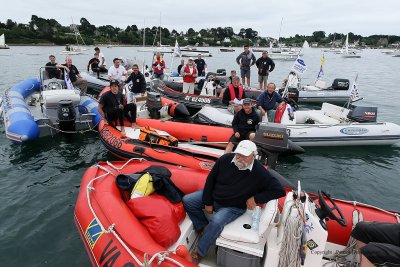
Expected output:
(267, 102)
(200, 65)
(243, 124)
(112, 109)
(101, 57)
(265, 65)
(158, 67)
(236, 182)
(245, 60)
(233, 94)
(189, 77)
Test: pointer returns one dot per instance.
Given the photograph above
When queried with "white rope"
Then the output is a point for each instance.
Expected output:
(160, 256)
(72, 132)
(291, 241)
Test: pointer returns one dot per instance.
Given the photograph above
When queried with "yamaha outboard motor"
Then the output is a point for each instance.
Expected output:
(66, 115)
(340, 84)
(273, 140)
(363, 114)
(153, 102)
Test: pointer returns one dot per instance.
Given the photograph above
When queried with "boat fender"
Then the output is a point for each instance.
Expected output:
(280, 110)
(183, 252)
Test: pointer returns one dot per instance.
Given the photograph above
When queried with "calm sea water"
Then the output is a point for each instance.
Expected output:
(40, 181)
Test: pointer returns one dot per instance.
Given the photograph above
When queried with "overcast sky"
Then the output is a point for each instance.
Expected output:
(302, 17)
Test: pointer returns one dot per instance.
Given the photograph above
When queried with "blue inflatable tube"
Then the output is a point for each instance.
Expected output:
(19, 123)
(91, 106)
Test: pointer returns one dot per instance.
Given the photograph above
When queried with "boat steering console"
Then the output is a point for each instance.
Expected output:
(326, 212)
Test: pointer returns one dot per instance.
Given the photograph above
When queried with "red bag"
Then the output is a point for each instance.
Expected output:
(157, 216)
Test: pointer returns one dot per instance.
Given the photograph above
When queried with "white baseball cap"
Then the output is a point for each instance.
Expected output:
(245, 147)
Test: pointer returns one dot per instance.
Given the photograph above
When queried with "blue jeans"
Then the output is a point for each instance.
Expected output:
(223, 215)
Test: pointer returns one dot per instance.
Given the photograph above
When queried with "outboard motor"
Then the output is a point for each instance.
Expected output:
(273, 140)
(66, 115)
(293, 93)
(153, 102)
(221, 72)
(363, 114)
(340, 84)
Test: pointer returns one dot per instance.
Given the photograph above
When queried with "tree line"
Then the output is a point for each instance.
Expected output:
(41, 30)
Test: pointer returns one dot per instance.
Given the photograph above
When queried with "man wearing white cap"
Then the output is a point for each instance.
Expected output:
(189, 77)
(236, 182)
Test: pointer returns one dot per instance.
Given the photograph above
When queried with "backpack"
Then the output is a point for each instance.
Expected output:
(148, 134)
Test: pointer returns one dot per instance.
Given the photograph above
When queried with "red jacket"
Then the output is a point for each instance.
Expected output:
(161, 63)
(232, 92)
(189, 78)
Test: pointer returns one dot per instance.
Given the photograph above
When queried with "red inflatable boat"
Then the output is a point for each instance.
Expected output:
(114, 236)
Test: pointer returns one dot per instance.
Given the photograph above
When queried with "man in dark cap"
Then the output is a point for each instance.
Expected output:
(112, 108)
(243, 124)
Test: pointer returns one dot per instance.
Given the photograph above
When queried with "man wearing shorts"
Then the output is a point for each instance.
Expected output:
(243, 124)
(265, 65)
(245, 60)
(379, 243)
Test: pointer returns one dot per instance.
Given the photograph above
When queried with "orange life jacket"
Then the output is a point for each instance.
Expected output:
(148, 134)
(232, 92)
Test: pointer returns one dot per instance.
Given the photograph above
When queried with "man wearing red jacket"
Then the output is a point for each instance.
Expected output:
(189, 77)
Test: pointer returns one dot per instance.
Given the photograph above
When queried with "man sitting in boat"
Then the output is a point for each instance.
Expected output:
(233, 93)
(158, 67)
(52, 68)
(236, 182)
(74, 75)
(138, 81)
(243, 124)
(267, 102)
(228, 82)
(101, 57)
(112, 108)
(379, 243)
(189, 77)
(93, 64)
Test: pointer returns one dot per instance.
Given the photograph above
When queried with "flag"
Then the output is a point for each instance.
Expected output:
(299, 67)
(177, 49)
(68, 80)
(354, 94)
(321, 70)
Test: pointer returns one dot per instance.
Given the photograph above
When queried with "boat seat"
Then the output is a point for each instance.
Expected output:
(51, 98)
(335, 112)
(236, 230)
(320, 118)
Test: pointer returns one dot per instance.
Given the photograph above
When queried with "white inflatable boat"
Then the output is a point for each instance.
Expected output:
(330, 126)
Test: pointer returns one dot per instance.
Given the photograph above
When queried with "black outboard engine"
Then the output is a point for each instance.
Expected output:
(340, 84)
(273, 140)
(363, 114)
(66, 115)
(293, 93)
(221, 72)
(153, 102)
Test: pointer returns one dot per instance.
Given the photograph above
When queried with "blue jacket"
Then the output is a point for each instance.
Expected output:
(268, 102)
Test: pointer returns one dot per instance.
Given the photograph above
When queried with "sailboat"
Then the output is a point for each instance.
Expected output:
(160, 48)
(347, 53)
(3, 42)
(281, 52)
(75, 49)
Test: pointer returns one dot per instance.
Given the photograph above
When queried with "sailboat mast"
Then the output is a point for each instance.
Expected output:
(280, 29)
(160, 29)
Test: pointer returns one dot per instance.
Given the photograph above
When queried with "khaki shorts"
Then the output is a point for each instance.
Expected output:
(262, 78)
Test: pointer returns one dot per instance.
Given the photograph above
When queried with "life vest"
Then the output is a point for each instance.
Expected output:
(148, 134)
(160, 62)
(279, 112)
(188, 78)
(232, 92)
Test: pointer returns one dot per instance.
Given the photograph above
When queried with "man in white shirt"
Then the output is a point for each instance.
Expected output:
(117, 72)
